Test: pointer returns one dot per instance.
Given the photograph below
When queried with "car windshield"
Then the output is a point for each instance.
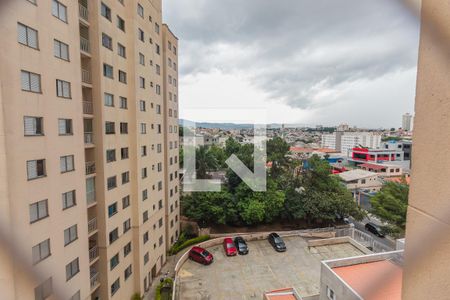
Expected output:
(205, 253)
(278, 240)
(230, 245)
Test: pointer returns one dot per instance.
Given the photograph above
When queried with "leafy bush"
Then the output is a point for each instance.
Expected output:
(177, 247)
(136, 296)
(167, 281)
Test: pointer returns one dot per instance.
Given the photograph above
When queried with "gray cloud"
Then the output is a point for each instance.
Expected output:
(295, 50)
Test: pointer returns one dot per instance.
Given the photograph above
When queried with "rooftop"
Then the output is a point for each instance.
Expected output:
(356, 174)
(373, 280)
(282, 294)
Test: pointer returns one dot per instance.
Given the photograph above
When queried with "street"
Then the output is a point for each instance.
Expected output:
(387, 241)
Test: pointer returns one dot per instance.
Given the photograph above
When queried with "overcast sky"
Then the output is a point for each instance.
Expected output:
(308, 62)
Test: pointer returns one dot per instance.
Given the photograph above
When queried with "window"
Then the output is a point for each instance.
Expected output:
(113, 235)
(110, 155)
(174, 50)
(65, 127)
(124, 153)
(158, 148)
(142, 105)
(330, 294)
(41, 251)
(76, 296)
(108, 71)
(140, 11)
(120, 23)
(122, 76)
(157, 49)
(60, 50)
(158, 69)
(108, 99)
(158, 89)
(44, 290)
(33, 126)
(158, 130)
(112, 209)
(114, 261)
(107, 41)
(174, 82)
(169, 45)
(35, 168)
(170, 79)
(123, 128)
(112, 182)
(63, 89)
(125, 202)
(72, 269)
(115, 286)
(31, 82)
(106, 11)
(123, 102)
(143, 150)
(160, 204)
(128, 271)
(157, 28)
(68, 199)
(160, 223)
(110, 127)
(121, 50)
(38, 210)
(145, 237)
(126, 225)
(127, 249)
(66, 163)
(144, 195)
(143, 128)
(158, 109)
(159, 167)
(142, 82)
(59, 10)
(141, 35)
(141, 59)
(70, 235)
(144, 172)
(27, 36)
(145, 216)
(161, 240)
(125, 177)
(146, 258)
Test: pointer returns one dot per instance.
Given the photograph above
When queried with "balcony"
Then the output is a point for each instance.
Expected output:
(84, 13)
(85, 45)
(90, 167)
(88, 107)
(88, 138)
(90, 198)
(95, 281)
(86, 76)
(92, 225)
(93, 254)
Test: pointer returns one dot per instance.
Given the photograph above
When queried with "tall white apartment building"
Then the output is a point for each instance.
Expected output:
(345, 141)
(407, 122)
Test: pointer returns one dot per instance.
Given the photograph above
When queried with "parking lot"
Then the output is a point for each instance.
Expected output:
(263, 269)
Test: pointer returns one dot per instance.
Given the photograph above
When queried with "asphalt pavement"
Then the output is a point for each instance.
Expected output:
(387, 241)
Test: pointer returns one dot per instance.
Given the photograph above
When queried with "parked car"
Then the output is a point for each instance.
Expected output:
(375, 229)
(277, 242)
(201, 255)
(230, 249)
(241, 245)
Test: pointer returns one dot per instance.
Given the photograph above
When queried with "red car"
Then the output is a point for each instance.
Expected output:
(230, 248)
(200, 255)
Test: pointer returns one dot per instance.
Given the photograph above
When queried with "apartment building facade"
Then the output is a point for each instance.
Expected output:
(89, 141)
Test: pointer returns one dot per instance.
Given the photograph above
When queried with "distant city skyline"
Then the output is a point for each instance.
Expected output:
(310, 63)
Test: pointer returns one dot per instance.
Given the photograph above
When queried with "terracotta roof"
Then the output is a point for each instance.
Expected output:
(282, 294)
(377, 280)
(373, 166)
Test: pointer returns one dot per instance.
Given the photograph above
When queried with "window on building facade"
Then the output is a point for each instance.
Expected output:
(30, 82)
(38, 210)
(33, 126)
(61, 50)
(63, 89)
(70, 235)
(66, 163)
(65, 127)
(41, 251)
(68, 199)
(59, 10)
(27, 36)
(72, 269)
(35, 168)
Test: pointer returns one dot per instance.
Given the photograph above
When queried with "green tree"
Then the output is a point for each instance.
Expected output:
(219, 155)
(390, 205)
(277, 150)
(321, 198)
(204, 161)
(231, 146)
(245, 154)
(257, 207)
(207, 207)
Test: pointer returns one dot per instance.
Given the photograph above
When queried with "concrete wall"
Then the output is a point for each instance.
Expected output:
(427, 233)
